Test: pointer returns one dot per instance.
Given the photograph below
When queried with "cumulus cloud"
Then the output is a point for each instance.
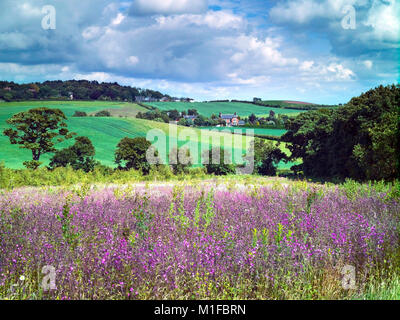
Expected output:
(183, 48)
(377, 21)
(167, 7)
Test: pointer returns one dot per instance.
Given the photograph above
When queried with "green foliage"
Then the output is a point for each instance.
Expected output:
(143, 217)
(267, 156)
(81, 90)
(80, 114)
(68, 229)
(359, 140)
(218, 161)
(32, 164)
(36, 129)
(160, 172)
(131, 154)
(103, 113)
(207, 109)
(180, 160)
(79, 156)
(3, 176)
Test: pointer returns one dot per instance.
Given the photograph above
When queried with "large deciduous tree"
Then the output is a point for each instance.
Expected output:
(36, 130)
(359, 140)
(131, 154)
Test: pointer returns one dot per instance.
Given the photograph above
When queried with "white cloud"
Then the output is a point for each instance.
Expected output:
(132, 60)
(368, 64)
(211, 19)
(167, 7)
(94, 76)
(384, 18)
(325, 71)
(118, 19)
(303, 11)
(306, 65)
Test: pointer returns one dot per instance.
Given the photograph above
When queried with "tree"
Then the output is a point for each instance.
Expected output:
(359, 140)
(272, 114)
(200, 121)
(266, 156)
(80, 114)
(252, 118)
(174, 114)
(103, 113)
(180, 160)
(183, 122)
(36, 129)
(192, 112)
(79, 156)
(219, 162)
(131, 154)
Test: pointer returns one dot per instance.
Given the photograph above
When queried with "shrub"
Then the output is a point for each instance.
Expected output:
(80, 114)
(219, 162)
(180, 160)
(3, 176)
(160, 172)
(103, 113)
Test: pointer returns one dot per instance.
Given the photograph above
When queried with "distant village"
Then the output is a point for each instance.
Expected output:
(231, 120)
(141, 99)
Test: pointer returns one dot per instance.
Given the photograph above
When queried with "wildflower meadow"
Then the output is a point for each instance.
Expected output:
(202, 240)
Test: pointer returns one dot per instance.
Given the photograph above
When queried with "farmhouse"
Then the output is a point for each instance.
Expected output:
(230, 119)
(145, 99)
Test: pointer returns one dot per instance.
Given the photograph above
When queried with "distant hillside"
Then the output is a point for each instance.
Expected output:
(289, 104)
(75, 90)
(209, 108)
(105, 132)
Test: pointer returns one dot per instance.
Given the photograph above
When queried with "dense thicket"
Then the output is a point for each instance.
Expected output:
(79, 89)
(359, 140)
(79, 156)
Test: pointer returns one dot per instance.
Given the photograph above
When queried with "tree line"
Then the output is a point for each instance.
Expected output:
(76, 89)
(359, 140)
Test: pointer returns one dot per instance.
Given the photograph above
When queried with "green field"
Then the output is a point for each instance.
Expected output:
(105, 133)
(257, 131)
(209, 108)
(285, 103)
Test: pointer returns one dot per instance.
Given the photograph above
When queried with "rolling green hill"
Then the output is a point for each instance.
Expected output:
(286, 104)
(209, 108)
(105, 133)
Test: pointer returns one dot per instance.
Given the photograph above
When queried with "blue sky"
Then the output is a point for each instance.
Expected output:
(215, 49)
